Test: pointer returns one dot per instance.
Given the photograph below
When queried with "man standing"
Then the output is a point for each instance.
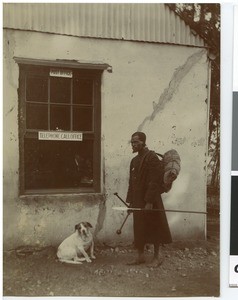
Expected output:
(144, 191)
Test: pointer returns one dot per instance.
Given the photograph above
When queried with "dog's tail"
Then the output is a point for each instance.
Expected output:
(70, 261)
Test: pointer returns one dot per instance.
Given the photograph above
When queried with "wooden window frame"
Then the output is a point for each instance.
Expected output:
(95, 71)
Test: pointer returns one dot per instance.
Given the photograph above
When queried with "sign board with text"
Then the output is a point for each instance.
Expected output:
(60, 136)
(61, 73)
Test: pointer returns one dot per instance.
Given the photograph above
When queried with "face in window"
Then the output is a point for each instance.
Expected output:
(137, 144)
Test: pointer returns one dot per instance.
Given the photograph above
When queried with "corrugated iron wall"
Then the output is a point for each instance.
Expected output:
(150, 22)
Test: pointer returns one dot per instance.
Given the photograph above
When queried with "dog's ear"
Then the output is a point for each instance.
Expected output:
(76, 227)
(89, 225)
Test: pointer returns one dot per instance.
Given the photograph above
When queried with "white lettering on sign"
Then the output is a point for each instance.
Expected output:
(61, 73)
(60, 136)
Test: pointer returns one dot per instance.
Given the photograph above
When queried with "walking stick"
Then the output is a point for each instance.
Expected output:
(131, 209)
(155, 209)
(116, 194)
(119, 230)
(128, 213)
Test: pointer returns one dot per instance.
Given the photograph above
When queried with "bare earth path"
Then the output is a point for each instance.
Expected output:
(190, 268)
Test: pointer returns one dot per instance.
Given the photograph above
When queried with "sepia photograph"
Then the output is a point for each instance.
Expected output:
(111, 149)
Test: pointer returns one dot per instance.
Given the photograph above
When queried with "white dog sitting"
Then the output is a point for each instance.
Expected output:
(76, 245)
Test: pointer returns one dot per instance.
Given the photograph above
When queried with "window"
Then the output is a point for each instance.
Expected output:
(56, 103)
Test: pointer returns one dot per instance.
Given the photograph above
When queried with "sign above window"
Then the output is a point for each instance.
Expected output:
(60, 136)
(61, 73)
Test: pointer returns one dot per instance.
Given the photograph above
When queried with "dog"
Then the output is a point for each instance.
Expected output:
(76, 245)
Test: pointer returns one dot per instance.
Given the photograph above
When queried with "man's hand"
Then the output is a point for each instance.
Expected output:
(148, 206)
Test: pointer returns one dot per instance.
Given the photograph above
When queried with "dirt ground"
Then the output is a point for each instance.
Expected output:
(189, 268)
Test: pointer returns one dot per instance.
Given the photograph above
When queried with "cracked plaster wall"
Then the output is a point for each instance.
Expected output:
(160, 89)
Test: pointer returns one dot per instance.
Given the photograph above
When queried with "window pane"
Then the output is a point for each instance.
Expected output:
(58, 164)
(83, 118)
(83, 91)
(36, 116)
(60, 90)
(37, 89)
(59, 117)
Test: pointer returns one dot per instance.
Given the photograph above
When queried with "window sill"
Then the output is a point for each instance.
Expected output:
(70, 196)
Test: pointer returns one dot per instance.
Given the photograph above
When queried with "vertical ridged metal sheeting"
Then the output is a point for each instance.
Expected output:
(148, 22)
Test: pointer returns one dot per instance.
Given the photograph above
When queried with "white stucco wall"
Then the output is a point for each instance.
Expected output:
(158, 89)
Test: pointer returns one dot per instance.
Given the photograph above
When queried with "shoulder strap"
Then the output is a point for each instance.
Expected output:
(144, 158)
(162, 156)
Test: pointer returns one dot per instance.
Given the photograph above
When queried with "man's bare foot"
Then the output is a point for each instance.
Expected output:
(136, 262)
(155, 263)
(140, 260)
